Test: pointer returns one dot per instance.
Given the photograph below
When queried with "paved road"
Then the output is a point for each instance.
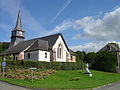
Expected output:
(114, 86)
(6, 86)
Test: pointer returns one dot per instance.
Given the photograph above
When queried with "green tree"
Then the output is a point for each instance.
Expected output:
(105, 61)
(116, 44)
(80, 56)
(0, 47)
(4, 46)
(90, 57)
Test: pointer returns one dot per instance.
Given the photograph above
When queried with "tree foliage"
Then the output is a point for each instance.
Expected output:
(4, 46)
(105, 61)
(90, 57)
(80, 56)
(116, 44)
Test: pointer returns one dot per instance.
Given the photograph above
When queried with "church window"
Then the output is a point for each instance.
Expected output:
(45, 55)
(59, 51)
(28, 55)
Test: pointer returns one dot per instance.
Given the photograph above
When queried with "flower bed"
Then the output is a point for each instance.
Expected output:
(26, 74)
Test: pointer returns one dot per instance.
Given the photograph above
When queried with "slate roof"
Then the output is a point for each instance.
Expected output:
(19, 47)
(38, 45)
(51, 39)
(42, 43)
(72, 52)
(114, 48)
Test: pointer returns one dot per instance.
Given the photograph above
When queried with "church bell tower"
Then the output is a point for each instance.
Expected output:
(17, 34)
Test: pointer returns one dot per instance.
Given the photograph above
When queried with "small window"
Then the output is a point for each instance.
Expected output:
(28, 55)
(45, 55)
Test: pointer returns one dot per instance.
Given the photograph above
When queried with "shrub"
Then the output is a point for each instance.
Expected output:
(105, 61)
(45, 65)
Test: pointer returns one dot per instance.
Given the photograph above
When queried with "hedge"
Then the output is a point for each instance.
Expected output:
(45, 65)
(105, 61)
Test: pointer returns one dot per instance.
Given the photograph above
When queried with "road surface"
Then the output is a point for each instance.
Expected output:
(114, 86)
(6, 86)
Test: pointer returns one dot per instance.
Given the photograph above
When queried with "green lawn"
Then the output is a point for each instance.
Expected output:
(62, 80)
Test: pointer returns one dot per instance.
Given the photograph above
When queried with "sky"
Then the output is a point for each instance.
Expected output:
(86, 25)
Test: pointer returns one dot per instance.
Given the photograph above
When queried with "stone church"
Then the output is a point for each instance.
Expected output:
(52, 48)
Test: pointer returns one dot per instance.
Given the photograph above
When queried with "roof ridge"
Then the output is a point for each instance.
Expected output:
(52, 35)
(44, 37)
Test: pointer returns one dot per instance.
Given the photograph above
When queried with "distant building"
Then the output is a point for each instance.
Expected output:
(113, 48)
(49, 48)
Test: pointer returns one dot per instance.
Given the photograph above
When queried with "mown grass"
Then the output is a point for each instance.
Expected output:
(66, 80)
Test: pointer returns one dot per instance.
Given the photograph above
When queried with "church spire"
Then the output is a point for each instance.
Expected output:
(17, 34)
(18, 22)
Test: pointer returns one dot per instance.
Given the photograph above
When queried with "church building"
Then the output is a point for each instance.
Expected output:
(52, 48)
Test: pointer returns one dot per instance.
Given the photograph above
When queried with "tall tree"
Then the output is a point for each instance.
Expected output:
(80, 56)
(4, 46)
(105, 61)
(90, 57)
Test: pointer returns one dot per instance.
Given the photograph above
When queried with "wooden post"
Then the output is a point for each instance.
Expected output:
(3, 71)
(118, 60)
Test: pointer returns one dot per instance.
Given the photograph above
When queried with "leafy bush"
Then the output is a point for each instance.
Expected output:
(4, 46)
(90, 57)
(105, 61)
(80, 56)
(45, 65)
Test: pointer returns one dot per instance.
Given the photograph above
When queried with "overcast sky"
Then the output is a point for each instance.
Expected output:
(86, 25)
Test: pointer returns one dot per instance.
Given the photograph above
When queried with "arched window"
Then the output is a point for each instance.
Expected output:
(59, 51)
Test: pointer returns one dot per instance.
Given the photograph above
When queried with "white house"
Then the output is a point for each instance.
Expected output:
(49, 48)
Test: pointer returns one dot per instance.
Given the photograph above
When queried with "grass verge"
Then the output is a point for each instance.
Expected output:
(73, 79)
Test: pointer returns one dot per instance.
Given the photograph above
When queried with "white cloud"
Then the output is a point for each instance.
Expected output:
(65, 25)
(65, 6)
(106, 28)
(92, 46)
